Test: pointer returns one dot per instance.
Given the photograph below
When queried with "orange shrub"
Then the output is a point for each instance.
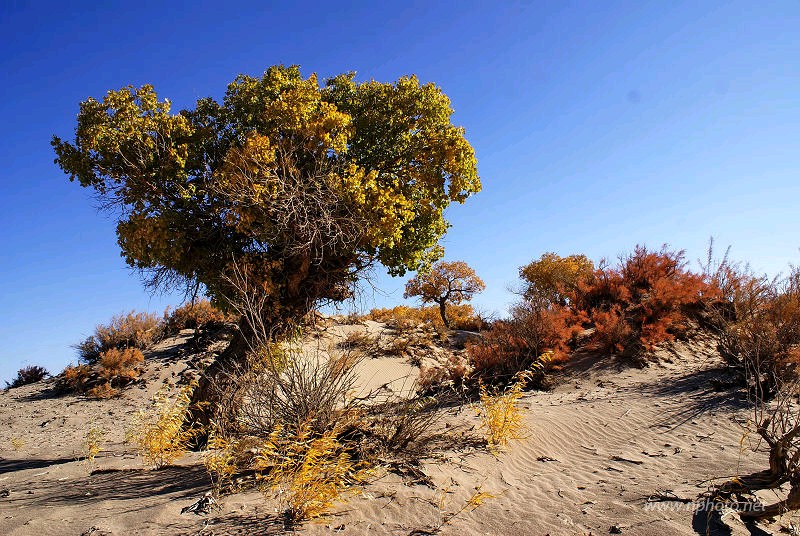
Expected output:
(74, 378)
(643, 301)
(195, 315)
(130, 330)
(120, 366)
(517, 344)
(762, 340)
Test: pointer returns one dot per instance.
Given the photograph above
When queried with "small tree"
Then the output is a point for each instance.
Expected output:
(447, 282)
(552, 278)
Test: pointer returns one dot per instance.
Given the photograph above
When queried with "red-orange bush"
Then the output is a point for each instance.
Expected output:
(534, 329)
(643, 301)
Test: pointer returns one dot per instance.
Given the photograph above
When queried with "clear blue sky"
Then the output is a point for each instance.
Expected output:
(597, 125)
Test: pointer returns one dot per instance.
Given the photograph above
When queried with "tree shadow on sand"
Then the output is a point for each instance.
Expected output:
(118, 485)
(707, 390)
(709, 521)
(246, 525)
(10, 466)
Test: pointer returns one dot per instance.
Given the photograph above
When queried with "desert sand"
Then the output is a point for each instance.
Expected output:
(597, 445)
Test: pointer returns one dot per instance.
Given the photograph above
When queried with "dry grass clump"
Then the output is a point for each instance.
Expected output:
(129, 330)
(199, 314)
(450, 374)
(286, 385)
(500, 414)
(159, 433)
(358, 339)
(28, 375)
(306, 471)
(113, 370)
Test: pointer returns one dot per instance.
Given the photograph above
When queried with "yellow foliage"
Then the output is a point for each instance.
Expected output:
(552, 277)
(160, 434)
(92, 444)
(308, 472)
(500, 414)
(220, 461)
(17, 443)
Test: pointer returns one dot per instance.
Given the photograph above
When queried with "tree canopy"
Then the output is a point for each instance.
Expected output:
(552, 278)
(298, 185)
(447, 282)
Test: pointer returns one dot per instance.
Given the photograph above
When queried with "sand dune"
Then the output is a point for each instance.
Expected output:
(597, 446)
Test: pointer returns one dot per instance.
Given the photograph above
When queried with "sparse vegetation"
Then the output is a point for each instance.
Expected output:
(28, 375)
(128, 330)
(159, 432)
(403, 317)
(92, 445)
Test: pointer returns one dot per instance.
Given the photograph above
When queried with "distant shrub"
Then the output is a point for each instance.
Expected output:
(28, 375)
(643, 301)
(200, 314)
(74, 378)
(120, 367)
(534, 329)
(130, 330)
(112, 370)
(403, 317)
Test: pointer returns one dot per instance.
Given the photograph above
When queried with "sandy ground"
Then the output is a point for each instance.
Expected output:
(597, 446)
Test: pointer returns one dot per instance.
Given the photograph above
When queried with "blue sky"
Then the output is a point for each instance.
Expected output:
(597, 125)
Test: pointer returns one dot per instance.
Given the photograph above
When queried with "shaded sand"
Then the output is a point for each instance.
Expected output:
(598, 445)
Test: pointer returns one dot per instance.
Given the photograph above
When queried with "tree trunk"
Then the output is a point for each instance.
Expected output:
(215, 380)
(443, 312)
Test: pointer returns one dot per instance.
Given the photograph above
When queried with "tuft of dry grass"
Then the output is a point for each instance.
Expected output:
(358, 339)
(92, 442)
(308, 472)
(500, 415)
(159, 433)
